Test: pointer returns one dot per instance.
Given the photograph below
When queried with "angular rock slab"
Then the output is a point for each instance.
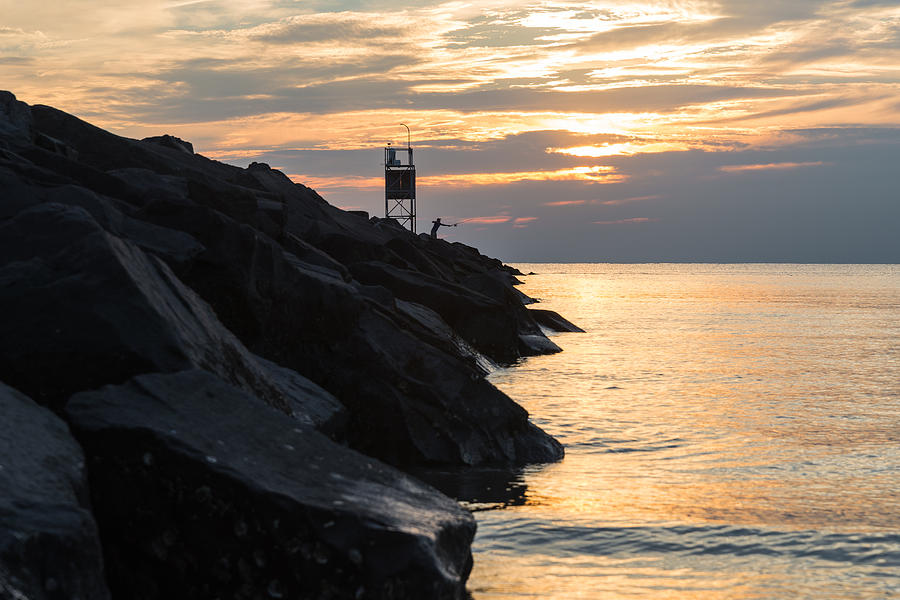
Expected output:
(553, 321)
(203, 491)
(49, 546)
(82, 308)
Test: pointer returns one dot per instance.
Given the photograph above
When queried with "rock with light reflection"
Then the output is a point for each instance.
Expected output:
(49, 546)
(203, 491)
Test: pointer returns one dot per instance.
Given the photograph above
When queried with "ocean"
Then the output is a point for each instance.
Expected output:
(732, 431)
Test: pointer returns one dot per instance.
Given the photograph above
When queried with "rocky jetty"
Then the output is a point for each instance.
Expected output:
(212, 379)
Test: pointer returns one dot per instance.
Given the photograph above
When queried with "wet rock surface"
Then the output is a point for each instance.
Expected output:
(49, 546)
(234, 304)
(251, 504)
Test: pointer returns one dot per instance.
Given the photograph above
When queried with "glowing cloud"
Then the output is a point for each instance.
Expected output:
(770, 166)
(488, 220)
(595, 174)
(523, 222)
(626, 149)
(565, 203)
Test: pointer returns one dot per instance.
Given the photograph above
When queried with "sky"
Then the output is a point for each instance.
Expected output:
(557, 131)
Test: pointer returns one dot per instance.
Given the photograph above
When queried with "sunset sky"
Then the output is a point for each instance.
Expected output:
(561, 131)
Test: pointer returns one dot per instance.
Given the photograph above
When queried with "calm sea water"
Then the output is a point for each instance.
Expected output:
(732, 431)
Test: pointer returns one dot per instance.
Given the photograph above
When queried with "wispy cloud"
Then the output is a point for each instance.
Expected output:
(565, 203)
(626, 221)
(782, 166)
(494, 220)
(629, 200)
(523, 222)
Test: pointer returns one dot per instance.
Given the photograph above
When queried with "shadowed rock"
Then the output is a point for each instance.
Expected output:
(170, 141)
(413, 392)
(16, 124)
(49, 547)
(250, 504)
(82, 308)
(553, 321)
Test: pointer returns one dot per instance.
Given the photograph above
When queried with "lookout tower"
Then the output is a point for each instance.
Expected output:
(400, 185)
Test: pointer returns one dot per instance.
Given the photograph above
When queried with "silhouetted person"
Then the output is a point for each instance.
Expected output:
(437, 225)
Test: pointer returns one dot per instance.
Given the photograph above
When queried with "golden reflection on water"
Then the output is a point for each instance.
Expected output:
(755, 403)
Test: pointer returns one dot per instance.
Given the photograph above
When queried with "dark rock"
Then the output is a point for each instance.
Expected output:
(172, 245)
(17, 194)
(309, 403)
(553, 321)
(91, 309)
(55, 146)
(481, 321)
(498, 285)
(170, 141)
(16, 123)
(429, 325)
(413, 404)
(408, 401)
(311, 255)
(49, 547)
(196, 507)
(152, 185)
(96, 148)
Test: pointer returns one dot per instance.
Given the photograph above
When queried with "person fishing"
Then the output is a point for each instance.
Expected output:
(437, 225)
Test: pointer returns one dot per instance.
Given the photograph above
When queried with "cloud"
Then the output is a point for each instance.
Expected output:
(770, 166)
(620, 201)
(565, 203)
(488, 220)
(626, 221)
(333, 28)
(627, 148)
(593, 174)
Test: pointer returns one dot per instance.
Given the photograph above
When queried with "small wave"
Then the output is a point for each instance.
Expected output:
(531, 536)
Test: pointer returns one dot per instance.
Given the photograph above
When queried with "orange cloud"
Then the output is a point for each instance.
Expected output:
(625, 149)
(522, 222)
(620, 201)
(596, 174)
(564, 203)
(770, 166)
(338, 183)
(489, 220)
(626, 221)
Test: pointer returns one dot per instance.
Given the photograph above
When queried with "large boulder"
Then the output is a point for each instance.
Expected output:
(83, 308)
(483, 322)
(203, 491)
(49, 547)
